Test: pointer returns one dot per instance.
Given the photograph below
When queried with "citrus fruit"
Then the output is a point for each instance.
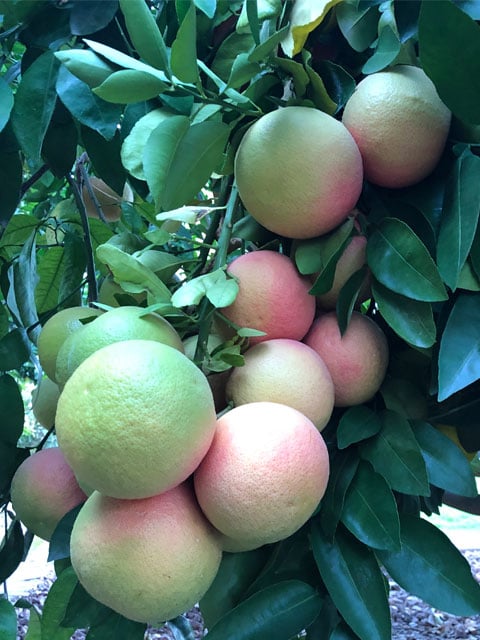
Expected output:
(44, 402)
(357, 361)
(135, 418)
(149, 560)
(110, 202)
(111, 293)
(264, 474)
(399, 124)
(121, 323)
(56, 330)
(298, 172)
(273, 297)
(43, 490)
(288, 372)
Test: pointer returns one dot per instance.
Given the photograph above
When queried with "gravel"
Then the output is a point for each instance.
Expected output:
(412, 619)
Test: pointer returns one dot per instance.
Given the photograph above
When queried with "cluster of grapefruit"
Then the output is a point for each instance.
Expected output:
(170, 486)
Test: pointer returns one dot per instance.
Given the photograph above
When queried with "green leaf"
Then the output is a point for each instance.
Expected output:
(122, 60)
(358, 24)
(449, 45)
(11, 174)
(14, 350)
(354, 582)
(116, 627)
(49, 270)
(459, 355)
(459, 219)
(242, 71)
(297, 72)
(395, 454)
(319, 93)
(11, 548)
(370, 511)
(74, 265)
(208, 7)
(22, 277)
(305, 16)
(6, 103)
(11, 410)
(30, 124)
(183, 58)
(216, 286)
(84, 105)
(411, 319)
(279, 611)
(338, 82)
(55, 606)
(8, 620)
(387, 49)
(447, 466)
(357, 424)
(145, 34)
(129, 85)
(86, 65)
(429, 566)
(59, 546)
(400, 261)
(178, 159)
(237, 571)
(342, 470)
(10, 458)
(264, 49)
(34, 631)
(348, 296)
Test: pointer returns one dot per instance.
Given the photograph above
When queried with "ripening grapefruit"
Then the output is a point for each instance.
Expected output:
(273, 297)
(135, 419)
(399, 124)
(149, 560)
(357, 361)
(56, 330)
(264, 475)
(109, 200)
(44, 402)
(298, 172)
(121, 323)
(288, 372)
(111, 293)
(43, 490)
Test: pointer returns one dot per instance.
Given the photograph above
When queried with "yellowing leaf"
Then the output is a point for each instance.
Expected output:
(306, 15)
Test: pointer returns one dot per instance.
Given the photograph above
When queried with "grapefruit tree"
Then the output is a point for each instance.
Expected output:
(295, 177)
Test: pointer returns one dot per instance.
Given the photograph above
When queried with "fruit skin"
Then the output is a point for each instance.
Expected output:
(135, 418)
(44, 402)
(357, 361)
(43, 490)
(399, 124)
(108, 199)
(298, 172)
(56, 330)
(150, 560)
(288, 372)
(273, 297)
(264, 474)
(121, 323)
(109, 289)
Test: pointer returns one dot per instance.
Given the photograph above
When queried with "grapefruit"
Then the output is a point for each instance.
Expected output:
(43, 490)
(135, 419)
(149, 560)
(44, 402)
(121, 323)
(357, 361)
(298, 172)
(273, 297)
(399, 124)
(288, 372)
(264, 474)
(56, 330)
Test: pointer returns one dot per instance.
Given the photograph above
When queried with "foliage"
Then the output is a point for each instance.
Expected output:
(160, 94)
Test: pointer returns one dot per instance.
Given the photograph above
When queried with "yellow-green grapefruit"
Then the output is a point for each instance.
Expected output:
(44, 402)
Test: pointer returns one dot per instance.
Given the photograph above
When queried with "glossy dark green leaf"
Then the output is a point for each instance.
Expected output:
(348, 296)
(129, 85)
(233, 45)
(85, 106)
(447, 466)
(105, 158)
(11, 410)
(400, 261)
(82, 610)
(14, 350)
(237, 571)
(89, 17)
(357, 424)
(404, 396)
(430, 566)
(460, 213)
(11, 174)
(178, 159)
(30, 125)
(59, 546)
(358, 25)
(10, 459)
(387, 49)
(49, 270)
(6, 103)
(370, 511)
(74, 265)
(264, 49)
(8, 620)
(207, 6)
(459, 356)
(297, 71)
(411, 319)
(116, 627)
(144, 33)
(449, 45)
(183, 58)
(181, 627)
(59, 148)
(343, 632)
(279, 611)
(319, 93)
(86, 65)
(11, 551)
(342, 470)
(242, 71)
(355, 583)
(338, 82)
(396, 455)
(56, 604)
